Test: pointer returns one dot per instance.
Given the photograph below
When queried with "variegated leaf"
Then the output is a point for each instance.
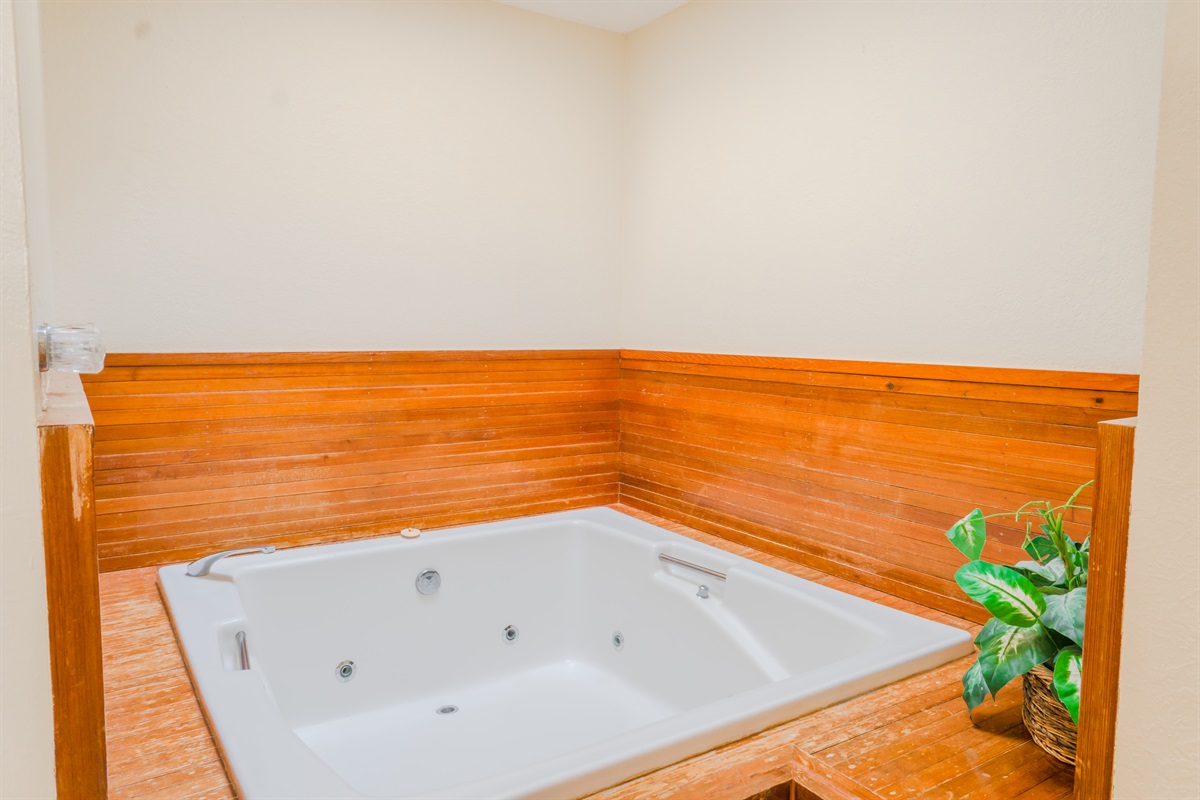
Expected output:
(1006, 593)
(1065, 612)
(1051, 573)
(991, 629)
(1068, 679)
(969, 534)
(975, 688)
(1014, 652)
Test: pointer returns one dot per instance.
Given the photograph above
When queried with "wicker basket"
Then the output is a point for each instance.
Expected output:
(1046, 718)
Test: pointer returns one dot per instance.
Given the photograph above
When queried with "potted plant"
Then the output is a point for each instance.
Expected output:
(1036, 629)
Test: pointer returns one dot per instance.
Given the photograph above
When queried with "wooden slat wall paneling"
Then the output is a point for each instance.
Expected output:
(1105, 611)
(73, 595)
(198, 451)
(857, 468)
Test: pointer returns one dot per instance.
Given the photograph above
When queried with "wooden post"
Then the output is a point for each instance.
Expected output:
(73, 599)
(1105, 609)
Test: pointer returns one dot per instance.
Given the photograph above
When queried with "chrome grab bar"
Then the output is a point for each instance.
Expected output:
(673, 560)
(243, 653)
(201, 566)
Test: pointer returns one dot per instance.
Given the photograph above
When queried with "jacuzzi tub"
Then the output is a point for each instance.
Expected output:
(560, 655)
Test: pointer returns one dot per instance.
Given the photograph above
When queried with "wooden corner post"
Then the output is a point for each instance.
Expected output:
(73, 600)
(1105, 609)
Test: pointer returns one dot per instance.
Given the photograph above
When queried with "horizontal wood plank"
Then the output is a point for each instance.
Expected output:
(1117, 382)
(978, 390)
(197, 451)
(270, 358)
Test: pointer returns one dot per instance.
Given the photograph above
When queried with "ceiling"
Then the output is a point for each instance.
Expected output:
(621, 16)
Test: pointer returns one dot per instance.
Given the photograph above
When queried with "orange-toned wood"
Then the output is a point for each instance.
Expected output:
(1105, 611)
(158, 742)
(784, 791)
(852, 467)
(73, 600)
(1017, 377)
(365, 357)
(912, 739)
(197, 451)
(936, 383)
(858, 468)
(817, 780)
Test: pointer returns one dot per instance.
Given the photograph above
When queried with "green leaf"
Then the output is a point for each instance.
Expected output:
(1052, 573)
(969, 534)
(1064, 613)
(1006, 593)
(1039, 548)
(1014, 652)
(1060, 641)
(1081, 557)
(991, 629)
(975, 688)
(1068, 679)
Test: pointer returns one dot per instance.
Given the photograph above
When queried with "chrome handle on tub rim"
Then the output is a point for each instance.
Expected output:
(243, 652)
(201, 566)
(707, 571)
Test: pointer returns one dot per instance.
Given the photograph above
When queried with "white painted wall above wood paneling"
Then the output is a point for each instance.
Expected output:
(962, 183)
(332, 175)
(26, 710)
(948, 183)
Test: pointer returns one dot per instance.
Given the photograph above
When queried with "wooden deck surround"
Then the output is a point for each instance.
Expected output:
(911, 740)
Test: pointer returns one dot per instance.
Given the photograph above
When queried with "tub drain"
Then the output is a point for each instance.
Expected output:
(447, 710)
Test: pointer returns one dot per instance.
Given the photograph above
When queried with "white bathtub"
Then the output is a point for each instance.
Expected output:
(557, 712)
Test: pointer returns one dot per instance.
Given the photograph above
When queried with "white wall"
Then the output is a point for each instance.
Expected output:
(961, 183)
(27, 25)
(956, 183)
(332, 174)
(1158, 712)
(26, 722)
